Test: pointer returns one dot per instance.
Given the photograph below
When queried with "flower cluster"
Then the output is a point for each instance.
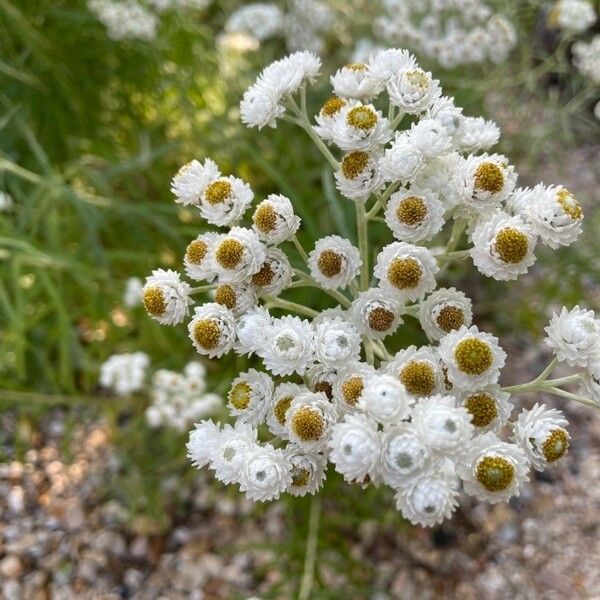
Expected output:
(452, 32)
(124, 374)
(426, 420)
(132, 19)
(572, 16)
(587, 58)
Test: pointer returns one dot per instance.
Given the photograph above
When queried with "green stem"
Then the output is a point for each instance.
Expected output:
(273, 302)
(308, 281)
(363, 244)
(382, 199)
(397, 119)
(203, 288)
(300, 249)
(310, 555)
(456, 255)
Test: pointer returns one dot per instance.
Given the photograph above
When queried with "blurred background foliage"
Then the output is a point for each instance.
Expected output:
(91, 132)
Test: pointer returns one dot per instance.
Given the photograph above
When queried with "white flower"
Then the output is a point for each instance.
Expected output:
(586, 58)
(224, 200)
(336, 342)
(375, 314)
(414, 215)
(239, 298)
(327, 117)
(274, 219)
(274, 275)
(443, 311)
(590, 388)
(402, 161)
(445, 112)
(442, 426)
(252, 330)
(353, 81)
(503, 246)
(197, 262)
(308, 471)
(125, 20)
(403, 455)
(384, 64)
(476, 133)
(413, 90)
(334, 262)
(265, 473)
(493, 471)
(431, 497)
(190, 181)
(260, 106)
(281, 399)
(350, 386)
(124, 374)
(133, 292)
(202, 441)
(406, 272)
(166, 298)
(443, 175)
(359, 175)
(489, 408)
(573, 15)
(6, 201)
(212, 329)
(230, 450)
(288, 346)
(418, 370)
(574, 338)
(360, 126)
(250, 396)
(355, 448)
(542, 435)
(262, 20)
(237, 255)
(430, 137)
(553, 213)
(385, 399)
(309, 420)
(473, 358)
(322, 378)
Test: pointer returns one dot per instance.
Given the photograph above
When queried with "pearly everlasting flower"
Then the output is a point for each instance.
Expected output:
(402, 161)
(124, 374)
(308, 471)
(334, 262)
(574, 337)
(350, 386)
(336, 342)
(443, 311)
(212, 329)
(476, 133)
(384, 64)
(375, 314)
(321, 378)
(262, 20)
(353, 81)
(447, 114)
(265, 473)
(414, 215)
(133, 292)
(359, 175)
(252, 329)
(418, 370)
(406, 272)
(197, 262)
(288, 346)
(572, 15)
(191, 180)
(166, 298)
(239, 298)
(328, 115)
(404, 455)
(125, 20)
(503, 246)
(443, 175)
(359, 126)
(541, 433)
(473, 359)
(355, 448)
(281, 398)
(488, 408)
(237, 255)
(250, 396)
(590, 388)
(274, 275)
(585, 58)
(309, 420)
(413, 90)
(430, 137)
(493, 470)
(385, 400)
(230, 449)
(224, 200)
(274, 220)
(202, 441)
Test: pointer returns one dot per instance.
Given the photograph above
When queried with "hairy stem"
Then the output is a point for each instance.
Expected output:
(310, 555)
(363, 244)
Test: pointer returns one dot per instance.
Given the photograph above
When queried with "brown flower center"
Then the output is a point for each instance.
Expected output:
(482, 408)
(511, 245)
(281, 407)
(473, 356)
(404, 273)
(495, 473)
(380, 319)
(154, 301)
(489, 177)
(300, 477)
(226, 296)
(218, 191)
(325, 387)
(352, 388)
(333, 106)
(196, 251)
(569, 204)
(362, 117)
(450, 318)
(354, 164)
(556, 444)
(265, 217)
(418, 377)
(207, 333)
(330, 263)
(264, 276)
(229, 253)
(308, 424)
(411, 211)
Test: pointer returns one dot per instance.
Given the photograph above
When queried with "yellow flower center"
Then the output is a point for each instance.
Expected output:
(264, 276)
(569, 204)
(330, 263)
(308, 424)
(418, 377)
(240, 395)
(556, 444)
(196, 251)
(154, 301)
(450, 318)
(218, 191)
(226, 296)
(357, 67)
(354, 164)
(482, 408)
(229, 253)
(362, 117)
(495, 473)
(380, 319)
(404, 273)
(207, 333)
(333, 106)
(511, 245)
(418, 78)
(473, 356)
(351, 389)
(411, 211)
(281, 407)
(489, 177)
(300, 477)
(265, 217)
